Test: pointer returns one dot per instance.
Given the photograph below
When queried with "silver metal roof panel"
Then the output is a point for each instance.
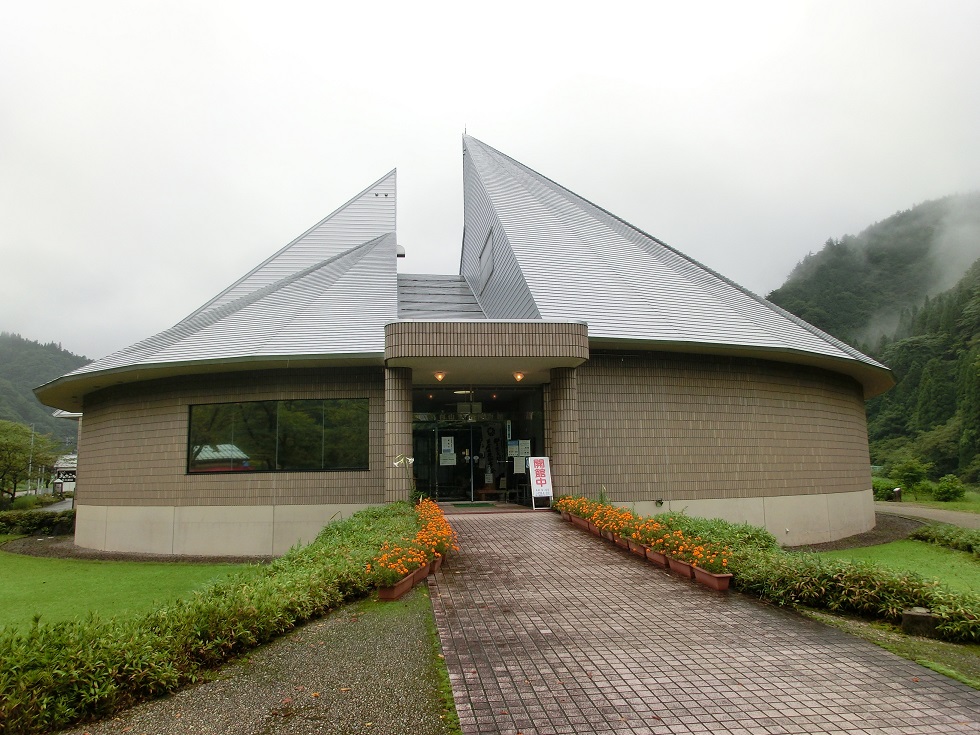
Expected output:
(436, 297)
(579, 261)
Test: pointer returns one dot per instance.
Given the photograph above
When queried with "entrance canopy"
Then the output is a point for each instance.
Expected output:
(488, 353)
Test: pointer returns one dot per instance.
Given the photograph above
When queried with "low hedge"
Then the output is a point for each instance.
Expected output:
(860, 588)
(32, 522)
(952, 537)
(53, 676)
(762, 569)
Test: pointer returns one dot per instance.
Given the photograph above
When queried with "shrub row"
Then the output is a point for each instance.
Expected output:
(625, 522)
(762, 569)
(56, 675)
(952, 537)
(883, 488)
(37, 522)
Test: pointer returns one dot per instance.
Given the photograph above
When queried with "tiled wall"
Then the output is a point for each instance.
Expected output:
(563, 434)
(398, 431)
(133, 450)
(482, 339)
(688, 427)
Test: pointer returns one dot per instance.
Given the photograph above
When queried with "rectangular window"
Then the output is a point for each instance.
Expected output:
(279, 436)
(486, 261)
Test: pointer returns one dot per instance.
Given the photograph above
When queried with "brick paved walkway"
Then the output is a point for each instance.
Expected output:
(547, 629)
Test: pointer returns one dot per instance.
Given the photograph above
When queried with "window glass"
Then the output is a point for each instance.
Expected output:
(267, 436)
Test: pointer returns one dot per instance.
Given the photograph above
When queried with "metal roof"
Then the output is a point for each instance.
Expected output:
(328, 294)
(579, 261)
(436, 297)
(531, 250)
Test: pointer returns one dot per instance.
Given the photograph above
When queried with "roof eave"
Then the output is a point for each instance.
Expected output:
(68, 392)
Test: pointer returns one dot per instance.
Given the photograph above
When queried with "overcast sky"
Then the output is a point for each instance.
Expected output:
(151, 153)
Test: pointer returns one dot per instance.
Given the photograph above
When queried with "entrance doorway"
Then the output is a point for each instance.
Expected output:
(470, 444)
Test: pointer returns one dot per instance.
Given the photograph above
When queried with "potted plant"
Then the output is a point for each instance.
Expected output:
(711, 566)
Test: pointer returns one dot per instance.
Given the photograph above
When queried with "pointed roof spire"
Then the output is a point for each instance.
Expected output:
(579, 261)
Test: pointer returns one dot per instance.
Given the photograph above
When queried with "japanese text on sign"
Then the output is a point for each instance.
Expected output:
(540, 477)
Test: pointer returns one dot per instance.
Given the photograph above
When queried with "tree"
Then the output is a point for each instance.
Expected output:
(20, 449)
(911, 473)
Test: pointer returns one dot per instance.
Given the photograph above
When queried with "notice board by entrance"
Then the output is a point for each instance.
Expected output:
(539, 471)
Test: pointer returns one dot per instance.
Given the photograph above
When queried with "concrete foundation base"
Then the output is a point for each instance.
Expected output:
(794, 520)
(264, 530)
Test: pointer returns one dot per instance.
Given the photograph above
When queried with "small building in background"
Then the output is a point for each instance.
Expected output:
(64, 474)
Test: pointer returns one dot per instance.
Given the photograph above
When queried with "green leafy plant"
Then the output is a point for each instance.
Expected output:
(952, 537)
(911, 473)
(949, 488)
(31, 522)
(55, 675)
(883, 488)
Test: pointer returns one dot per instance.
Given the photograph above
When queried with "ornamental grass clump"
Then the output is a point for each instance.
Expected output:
(53, 676)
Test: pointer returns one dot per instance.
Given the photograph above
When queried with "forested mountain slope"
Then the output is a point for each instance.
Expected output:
(934, 411)
(887, 291)
(25, 364)
(857, 287)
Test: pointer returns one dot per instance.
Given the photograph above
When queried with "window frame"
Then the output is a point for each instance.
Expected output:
(361, 437)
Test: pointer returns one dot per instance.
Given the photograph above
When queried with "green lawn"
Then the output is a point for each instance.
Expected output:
(61, 589)
(957, 569)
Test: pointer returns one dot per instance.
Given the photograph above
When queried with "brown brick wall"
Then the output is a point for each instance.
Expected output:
(398, 431)
(133, 450)
(689, 427)
(483, 339)
(563, 434)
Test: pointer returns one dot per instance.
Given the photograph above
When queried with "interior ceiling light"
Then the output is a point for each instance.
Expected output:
(463, 392)
(518, 376)
(439, 375)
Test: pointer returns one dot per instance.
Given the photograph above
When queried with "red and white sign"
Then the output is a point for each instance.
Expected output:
(539, 473)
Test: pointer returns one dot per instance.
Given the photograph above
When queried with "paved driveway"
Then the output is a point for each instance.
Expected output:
(957, 518)
(547, 629)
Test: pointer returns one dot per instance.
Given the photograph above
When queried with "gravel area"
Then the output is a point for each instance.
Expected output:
(887, 528)
(366, 668)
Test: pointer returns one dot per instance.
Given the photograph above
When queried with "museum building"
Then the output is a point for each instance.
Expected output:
(285, 402)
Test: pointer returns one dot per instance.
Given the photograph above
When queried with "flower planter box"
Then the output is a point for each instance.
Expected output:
(681, 567)
(398, 589)
(436, 564)
(566, 516)
(637, 548)
(593, 528)
(719, 582)
(655, 557)
(580, 522)
(607, 535)
(420, 574)
(620, 541)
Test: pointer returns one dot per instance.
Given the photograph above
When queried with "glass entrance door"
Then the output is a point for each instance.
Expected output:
(465, 441)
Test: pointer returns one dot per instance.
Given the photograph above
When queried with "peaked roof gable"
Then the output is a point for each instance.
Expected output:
(366, 216)
(581, 262)
(329, 293)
